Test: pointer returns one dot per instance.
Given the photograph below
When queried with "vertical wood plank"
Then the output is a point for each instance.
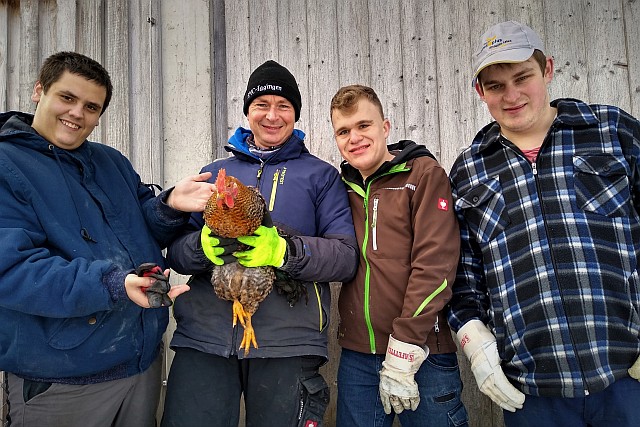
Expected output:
(456, 106)
(420, 89)
(47, 19)
(352, 38)
(66, 25)
(186, 88)
(13, 57)
(115, 122)
(29, 64)
(631, 10)
(607, 64)
(145, 103)
(90, 18)
(4, 54)
(219, 60)
(263, 32)
(323, 64)
(238, 61)
(565, 41)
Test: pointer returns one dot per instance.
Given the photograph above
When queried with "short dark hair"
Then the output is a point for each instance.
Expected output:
(347, 97)
(55, 65)
(537, 56)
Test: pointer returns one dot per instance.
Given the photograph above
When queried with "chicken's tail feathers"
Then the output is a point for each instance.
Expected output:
(292, 289)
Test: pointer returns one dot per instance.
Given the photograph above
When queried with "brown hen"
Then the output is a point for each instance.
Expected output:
(234, 210)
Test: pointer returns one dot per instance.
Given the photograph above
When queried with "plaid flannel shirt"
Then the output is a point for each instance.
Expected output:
(549, 255)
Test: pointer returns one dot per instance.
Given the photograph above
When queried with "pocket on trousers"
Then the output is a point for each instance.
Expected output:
(458, 416)
(314, 401)
(31, 389)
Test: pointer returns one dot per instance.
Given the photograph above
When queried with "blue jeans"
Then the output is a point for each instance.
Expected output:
(616, 406)
(359, 399)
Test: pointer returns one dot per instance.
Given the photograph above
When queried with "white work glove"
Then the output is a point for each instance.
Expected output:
(634, 371)
(479, 345)
(398, 388)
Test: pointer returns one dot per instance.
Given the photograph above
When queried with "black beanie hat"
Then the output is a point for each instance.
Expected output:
(272, 78)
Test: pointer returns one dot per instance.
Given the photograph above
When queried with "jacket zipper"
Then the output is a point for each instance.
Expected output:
(274, 189)
(374, 223)
(367, 287)
(436, 328)
(534, 171)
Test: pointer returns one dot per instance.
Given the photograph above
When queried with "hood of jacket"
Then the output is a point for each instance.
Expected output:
(291, 149)
(404, 150)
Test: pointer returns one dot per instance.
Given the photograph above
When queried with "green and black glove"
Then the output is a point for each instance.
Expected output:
(267, 247)
(217, 249)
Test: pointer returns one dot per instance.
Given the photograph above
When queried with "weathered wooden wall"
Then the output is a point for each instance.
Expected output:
(180, 69)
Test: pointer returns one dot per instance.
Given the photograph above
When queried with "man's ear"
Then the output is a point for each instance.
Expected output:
(548, 70)
(479, 90)
(386, 125)
(37, 92)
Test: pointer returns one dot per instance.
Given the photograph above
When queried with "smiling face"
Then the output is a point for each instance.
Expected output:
(69, 110)
(271, 120)
(517, 97)
(361, 135)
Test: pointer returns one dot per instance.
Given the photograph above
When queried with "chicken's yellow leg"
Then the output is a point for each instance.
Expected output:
(238, 313)
(249, 336)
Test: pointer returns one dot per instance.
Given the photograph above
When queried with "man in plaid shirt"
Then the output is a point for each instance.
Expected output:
(546, 300)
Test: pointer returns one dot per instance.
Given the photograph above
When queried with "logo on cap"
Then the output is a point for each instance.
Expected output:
(495, 43)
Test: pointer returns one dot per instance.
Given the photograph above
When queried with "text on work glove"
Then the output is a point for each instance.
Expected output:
(398, 388)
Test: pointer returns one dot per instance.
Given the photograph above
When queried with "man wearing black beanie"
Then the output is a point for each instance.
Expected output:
(308, 204)
(274, 79)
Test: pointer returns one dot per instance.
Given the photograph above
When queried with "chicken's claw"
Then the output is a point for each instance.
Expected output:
(249, 337)
(238, 313)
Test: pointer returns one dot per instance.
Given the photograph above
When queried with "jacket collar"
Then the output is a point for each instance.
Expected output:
(403, 151)
(291, 149)
(571, 113)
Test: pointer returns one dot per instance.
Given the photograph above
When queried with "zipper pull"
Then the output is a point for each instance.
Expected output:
(375, 213)
(274, 189)
(535, 168)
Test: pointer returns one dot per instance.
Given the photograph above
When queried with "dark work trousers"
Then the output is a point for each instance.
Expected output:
(205, 390)
(126, 402)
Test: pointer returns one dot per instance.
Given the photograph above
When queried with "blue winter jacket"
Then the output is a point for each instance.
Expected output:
(306, 199)
(73, 224)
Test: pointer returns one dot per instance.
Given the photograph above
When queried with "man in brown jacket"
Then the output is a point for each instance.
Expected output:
(397, 349)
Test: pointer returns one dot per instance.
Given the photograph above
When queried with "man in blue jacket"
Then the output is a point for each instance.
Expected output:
(77, 338)
(305, 197)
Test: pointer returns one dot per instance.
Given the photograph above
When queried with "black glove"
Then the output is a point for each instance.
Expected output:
(266, 218)
(157, 292)
(217, 249)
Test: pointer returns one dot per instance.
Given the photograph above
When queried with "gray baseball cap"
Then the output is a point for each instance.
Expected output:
(506, 42)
